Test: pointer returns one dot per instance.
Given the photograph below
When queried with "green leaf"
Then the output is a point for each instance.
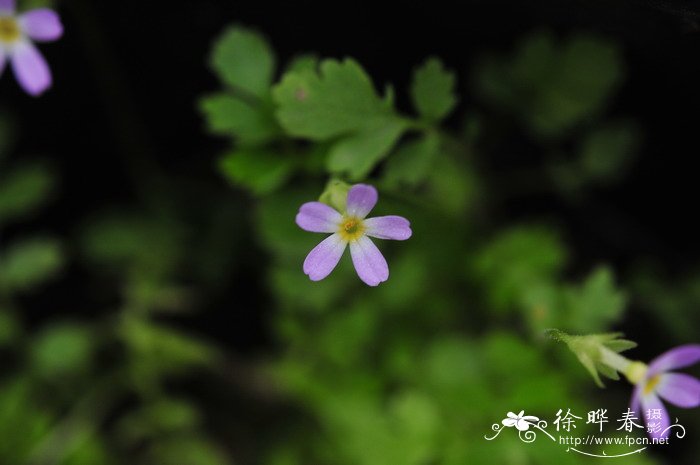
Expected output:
(338, 100)
(162, 416)
(620, 345)
(28, 263)
(602, 158)
(451, 363)
(189, 450)
(248, 122)
(296, 291)
(412, 162)
(135, 241)
(260, 171)
(589, 348)
(62, 349)
(357, 155)
(305, 62)
(346, 336)
(90, 451)
(433, 91)
(542, 305)
(591, 366)
(160, 350)
(277, 230)
(418, 422)
(452, 185)
(409, 271)
(517, 260)
(24, 190)
(596, 304)
(584, 347)
(552, 87)
(284, 454)
(244, 60)
(172, 415)
(607, 151)
(10, 327)
(24, 422)
(607, 371)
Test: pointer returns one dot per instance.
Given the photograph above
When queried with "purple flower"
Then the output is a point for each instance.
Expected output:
(659, 382)
(351, 228)
(17, 34)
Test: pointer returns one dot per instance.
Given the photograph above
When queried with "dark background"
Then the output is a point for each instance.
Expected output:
(128, 75)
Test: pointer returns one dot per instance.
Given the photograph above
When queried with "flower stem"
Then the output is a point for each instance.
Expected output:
(614, 360)
(633, 371)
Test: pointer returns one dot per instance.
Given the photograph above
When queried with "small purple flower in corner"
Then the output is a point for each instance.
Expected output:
(353, 228)
(659, 382)
(18, 32)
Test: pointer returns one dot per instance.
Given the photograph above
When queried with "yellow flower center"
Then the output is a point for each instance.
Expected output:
(651, 384)
(351, 228)
(9, 29)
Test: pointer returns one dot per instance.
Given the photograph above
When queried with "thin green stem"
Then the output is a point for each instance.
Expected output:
(614, 360)
(634, 371)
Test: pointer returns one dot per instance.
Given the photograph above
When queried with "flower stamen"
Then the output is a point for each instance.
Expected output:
(651, 384)
(351, 228)
(9, 29)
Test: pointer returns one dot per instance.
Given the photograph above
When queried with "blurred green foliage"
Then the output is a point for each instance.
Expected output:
(417, 370)
(413, 372)
(552, 86)
(65, 383)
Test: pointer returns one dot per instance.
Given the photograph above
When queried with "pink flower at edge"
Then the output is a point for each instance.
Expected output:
(660, 382)
(353, 228)
(18, 32)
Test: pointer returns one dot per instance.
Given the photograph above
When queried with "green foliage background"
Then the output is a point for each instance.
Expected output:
(414, 372)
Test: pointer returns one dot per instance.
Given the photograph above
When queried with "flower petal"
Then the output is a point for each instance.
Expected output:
(679, 389)
(361, 200)
(41, 24)
(7, 6)
(679, 357)
(636, 402)
(509, 422)
(318, 217)
(3, 60)
(369, 262)
(652, 402)
(393, 227)
(30, 68)
(324, 257)
(512, 415)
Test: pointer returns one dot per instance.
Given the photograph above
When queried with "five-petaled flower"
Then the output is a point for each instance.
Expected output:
(659, 382)
(17, 34)
(521, 421)
(351, 227)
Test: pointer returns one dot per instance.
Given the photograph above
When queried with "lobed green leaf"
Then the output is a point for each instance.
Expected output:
(244, 60)
(433, 90)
